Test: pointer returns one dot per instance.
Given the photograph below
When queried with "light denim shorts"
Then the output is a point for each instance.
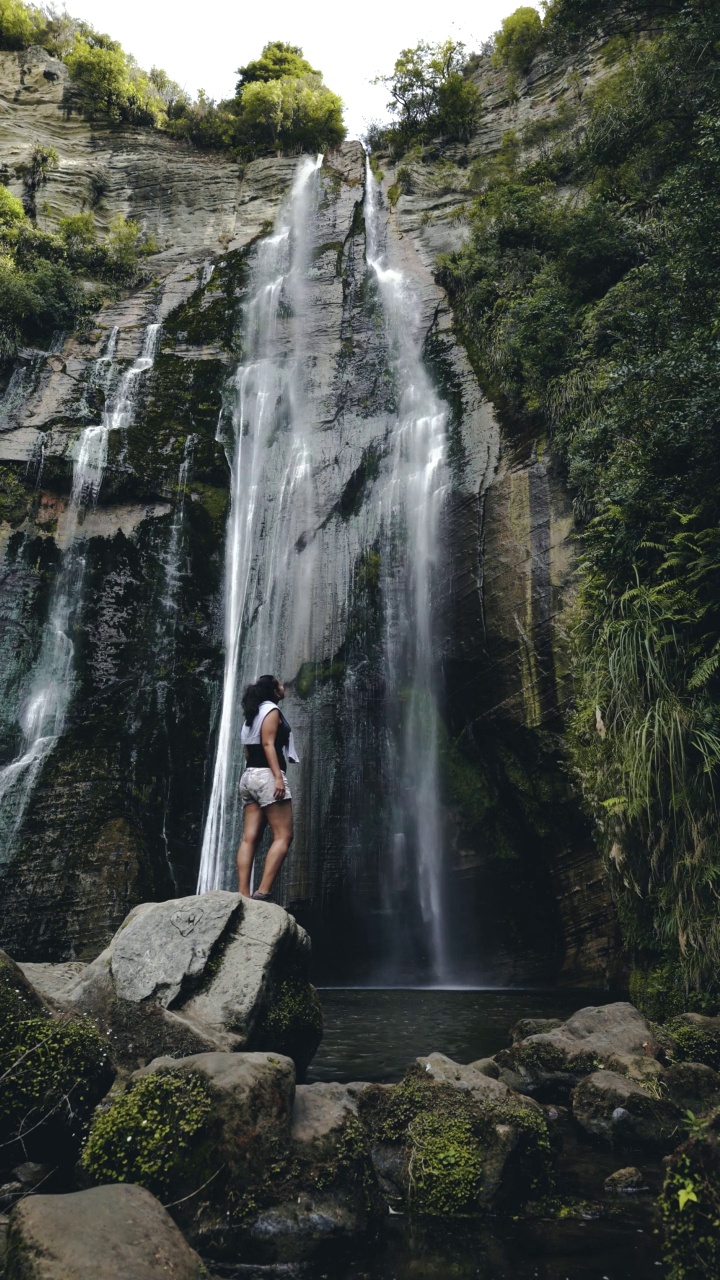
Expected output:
(257, 786)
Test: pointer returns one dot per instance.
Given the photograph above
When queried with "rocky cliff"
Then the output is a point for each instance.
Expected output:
(116, 814)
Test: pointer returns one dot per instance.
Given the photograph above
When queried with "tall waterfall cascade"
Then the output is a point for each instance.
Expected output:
(47, 699)
(411, 501)
(287, 613)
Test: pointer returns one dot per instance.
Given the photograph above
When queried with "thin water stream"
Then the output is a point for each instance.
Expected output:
(47, 699)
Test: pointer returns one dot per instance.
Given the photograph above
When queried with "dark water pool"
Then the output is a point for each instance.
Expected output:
(374, 1035)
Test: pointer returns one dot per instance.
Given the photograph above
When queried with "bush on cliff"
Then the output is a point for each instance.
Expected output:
(596, 320)
(430, 96)
(520, 37)
(45, 279)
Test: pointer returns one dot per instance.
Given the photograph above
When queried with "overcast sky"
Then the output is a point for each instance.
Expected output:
(201, 44)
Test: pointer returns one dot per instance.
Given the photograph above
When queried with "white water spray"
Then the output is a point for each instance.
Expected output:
(267, 603)
(411, 503)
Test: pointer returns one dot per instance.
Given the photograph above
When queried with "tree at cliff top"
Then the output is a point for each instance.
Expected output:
(596, 319)
(281, 104)
(430, 97)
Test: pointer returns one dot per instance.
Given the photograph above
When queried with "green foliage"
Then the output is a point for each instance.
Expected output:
(53, 1072)
(19, 24)
(448, 1138)
(519, 39)
(695, 1043)
(660, 993)
(281, 104)
(690, 1205)
(429, 95)
(42, 275)
(445, 1165)
(11, 209)
(278, 61)
(109, 84)
(292, 113)
(151, 1134)
(597, 319)
(13, 497)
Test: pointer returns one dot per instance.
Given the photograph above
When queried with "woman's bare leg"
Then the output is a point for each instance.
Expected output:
(253, 827)
(280, 817)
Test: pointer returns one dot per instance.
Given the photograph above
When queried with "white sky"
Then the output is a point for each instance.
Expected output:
(201, 44)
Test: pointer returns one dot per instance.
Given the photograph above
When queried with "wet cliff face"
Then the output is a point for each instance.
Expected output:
(117, 812)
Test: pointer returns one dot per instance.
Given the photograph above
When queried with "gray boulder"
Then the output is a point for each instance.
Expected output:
(469, 1079)
(550, 1063)
(626, 1181)
(251, 1107)
(692, 1086)
(532, 1027)
(116, 1232)
(211, 972)
(621, 1111)
(333, 1190)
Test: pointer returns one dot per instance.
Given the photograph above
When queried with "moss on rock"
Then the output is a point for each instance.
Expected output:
(445, 1165)
(54, 1072)
(293, 1023)
(152, 1135)
(696, 1039)
(461, 1155)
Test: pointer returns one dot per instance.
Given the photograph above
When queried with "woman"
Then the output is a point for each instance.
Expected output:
(266, 737)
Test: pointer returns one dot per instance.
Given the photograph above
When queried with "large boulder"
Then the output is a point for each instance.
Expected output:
(221, 1119)
(254, 1168)
(624, 1112)
(468, 1079)
(212, 972)
(106, 1233)
(551, 1063)
(453, 1142)
(333, 1193)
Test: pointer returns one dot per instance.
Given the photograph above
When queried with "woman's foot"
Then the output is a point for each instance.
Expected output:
(262, 897)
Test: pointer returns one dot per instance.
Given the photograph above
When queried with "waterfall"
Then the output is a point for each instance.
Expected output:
(43, 714)
(411, 498)
(271, 499)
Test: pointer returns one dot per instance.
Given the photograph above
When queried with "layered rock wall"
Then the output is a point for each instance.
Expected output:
(117, 812)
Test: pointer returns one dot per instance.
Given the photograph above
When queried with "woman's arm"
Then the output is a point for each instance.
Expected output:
(268, 733)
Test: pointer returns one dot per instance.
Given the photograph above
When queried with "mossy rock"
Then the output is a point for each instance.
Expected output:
(293, 1022)
(461, 1156)
(695, 1039)
(16, 496)
(689, 1205)
(155, 1134)
(54, 1072)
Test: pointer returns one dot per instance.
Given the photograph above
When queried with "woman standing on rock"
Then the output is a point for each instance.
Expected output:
(266, 737)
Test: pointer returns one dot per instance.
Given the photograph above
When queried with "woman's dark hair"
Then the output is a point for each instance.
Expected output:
(263, 690)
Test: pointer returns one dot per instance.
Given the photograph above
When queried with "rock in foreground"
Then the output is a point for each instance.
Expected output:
(108, 1233)
(212, 972)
